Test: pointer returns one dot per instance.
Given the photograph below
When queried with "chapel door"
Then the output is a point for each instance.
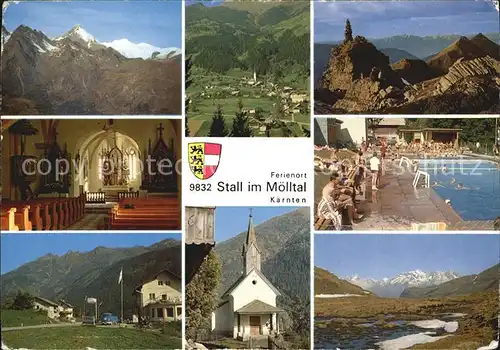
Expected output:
(254, 325)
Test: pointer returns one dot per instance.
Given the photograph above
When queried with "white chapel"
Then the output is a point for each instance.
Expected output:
(248, 307)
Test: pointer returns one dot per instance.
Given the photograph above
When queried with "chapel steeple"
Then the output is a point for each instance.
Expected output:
(251, 252)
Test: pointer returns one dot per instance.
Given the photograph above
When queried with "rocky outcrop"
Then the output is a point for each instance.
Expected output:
(355, 60)
(413, 71)
(462, 69)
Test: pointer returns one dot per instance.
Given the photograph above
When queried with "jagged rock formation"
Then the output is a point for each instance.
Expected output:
(478, 46)
(74, 74)
(354, 60)
(462, 69)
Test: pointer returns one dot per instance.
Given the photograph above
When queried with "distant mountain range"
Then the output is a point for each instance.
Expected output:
(412, 284)
(484, 281)
(271, 39)
(284, 243)
(123, 46)
(76, 74)
(394, 286)
(75, 275)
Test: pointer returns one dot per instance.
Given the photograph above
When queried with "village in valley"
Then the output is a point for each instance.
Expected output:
(114, 296)
(271, 109)
(247, 69)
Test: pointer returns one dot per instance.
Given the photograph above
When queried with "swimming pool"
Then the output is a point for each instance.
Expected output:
(479, 197)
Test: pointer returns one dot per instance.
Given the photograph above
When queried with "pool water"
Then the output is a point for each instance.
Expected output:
(479, 197)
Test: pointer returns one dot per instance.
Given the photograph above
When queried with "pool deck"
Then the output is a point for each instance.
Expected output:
(397, 205)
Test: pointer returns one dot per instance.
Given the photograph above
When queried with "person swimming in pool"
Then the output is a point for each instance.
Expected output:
(460, 186)
(444, 169)
(436, 184)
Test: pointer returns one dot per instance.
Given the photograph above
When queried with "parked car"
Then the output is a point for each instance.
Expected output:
(109, 319)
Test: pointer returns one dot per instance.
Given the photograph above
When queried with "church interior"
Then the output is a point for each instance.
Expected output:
(91, 174)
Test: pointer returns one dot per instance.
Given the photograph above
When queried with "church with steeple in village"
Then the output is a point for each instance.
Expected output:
(248, 308)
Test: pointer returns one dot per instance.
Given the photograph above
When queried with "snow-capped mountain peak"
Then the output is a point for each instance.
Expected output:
(80, 36)
(133, 50)
(393, 286)
(78, 33)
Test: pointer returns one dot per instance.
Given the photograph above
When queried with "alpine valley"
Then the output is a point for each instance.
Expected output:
(75, 73)
(74, 275)
(248, 67)
(417, 310)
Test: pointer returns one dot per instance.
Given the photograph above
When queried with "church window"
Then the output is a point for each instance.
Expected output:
(160, 313)
(152, 296)
(179, 311)
(160, 283)
(167, 283)
(164, 297)
(153, 313)
(254, 282)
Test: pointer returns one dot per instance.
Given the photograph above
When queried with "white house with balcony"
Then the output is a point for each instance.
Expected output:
(160, 297)
(248, 308)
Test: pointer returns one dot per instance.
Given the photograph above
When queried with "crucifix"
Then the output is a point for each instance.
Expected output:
(160, 129)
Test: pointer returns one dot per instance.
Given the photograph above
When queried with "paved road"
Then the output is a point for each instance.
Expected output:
(52, 325)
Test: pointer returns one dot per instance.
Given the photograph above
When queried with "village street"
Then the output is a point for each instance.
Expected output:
(54, 325)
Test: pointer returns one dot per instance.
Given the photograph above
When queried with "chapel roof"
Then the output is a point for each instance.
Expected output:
(258, 307)
(242, 277)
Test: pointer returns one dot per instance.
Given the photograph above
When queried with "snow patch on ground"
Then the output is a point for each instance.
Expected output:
(408, 341)
(492, 346)
(337, 295)
(449, 327)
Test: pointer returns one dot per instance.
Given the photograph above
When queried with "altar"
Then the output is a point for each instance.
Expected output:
(114, 170)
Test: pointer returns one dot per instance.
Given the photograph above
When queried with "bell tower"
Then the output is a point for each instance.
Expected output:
(251, 252)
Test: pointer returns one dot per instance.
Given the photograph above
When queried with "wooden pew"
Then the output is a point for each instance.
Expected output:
(22, 218)
(8, 219)
(48, 213)
(34, 214)
(146, 214)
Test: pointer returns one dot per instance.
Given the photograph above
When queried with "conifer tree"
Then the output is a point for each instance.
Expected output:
(201, 295)
(188, 82)
(218, 127)
(241, 127)
(348, 31)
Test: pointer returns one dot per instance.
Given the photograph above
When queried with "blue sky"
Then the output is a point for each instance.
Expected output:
(19, 249)
(379, 19)
(378, 256)
(158, 23)
(209, 3)
(231, 221)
